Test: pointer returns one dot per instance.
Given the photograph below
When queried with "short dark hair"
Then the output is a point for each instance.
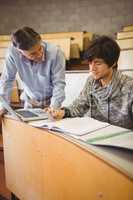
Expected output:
(25, 38)
(105, 48)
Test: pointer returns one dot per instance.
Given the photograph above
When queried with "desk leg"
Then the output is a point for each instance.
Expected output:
(13, 197)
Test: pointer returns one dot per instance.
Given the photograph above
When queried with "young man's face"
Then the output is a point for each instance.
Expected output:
(35, 53)
(99, 69)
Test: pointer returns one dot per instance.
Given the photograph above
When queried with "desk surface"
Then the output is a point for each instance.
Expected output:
(121, 159)
(45, 166)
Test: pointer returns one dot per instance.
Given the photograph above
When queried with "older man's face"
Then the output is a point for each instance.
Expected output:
(35, 53)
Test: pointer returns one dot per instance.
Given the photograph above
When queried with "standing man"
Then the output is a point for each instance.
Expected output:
(108, 94)
(41, 68)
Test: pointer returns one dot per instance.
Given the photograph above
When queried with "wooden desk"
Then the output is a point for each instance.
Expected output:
(44, 166)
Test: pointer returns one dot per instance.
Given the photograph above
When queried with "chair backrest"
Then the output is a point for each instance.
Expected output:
(74, 51)
(122, 35)
(128, 28)
(125, 44)
(76, 37)
(63, 43)
(15, 93)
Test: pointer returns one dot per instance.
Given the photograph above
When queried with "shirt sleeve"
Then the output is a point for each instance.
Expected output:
(8, 76)
(81, 105)
(58, 80)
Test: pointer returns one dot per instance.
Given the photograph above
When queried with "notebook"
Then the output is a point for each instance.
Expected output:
(26, 115)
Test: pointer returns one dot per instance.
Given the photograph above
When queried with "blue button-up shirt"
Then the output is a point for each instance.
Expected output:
(40, 80)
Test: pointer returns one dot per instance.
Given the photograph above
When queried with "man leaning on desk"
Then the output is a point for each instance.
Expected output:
(41, 68)
(108, 94)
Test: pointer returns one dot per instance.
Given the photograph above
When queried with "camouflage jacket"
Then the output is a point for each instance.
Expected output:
(112, 103)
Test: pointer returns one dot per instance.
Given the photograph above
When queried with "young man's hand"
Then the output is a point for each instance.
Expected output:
(55, 113)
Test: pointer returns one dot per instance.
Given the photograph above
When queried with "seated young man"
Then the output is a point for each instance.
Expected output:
(108, 94)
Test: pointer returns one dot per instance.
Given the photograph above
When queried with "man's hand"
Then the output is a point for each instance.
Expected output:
(55, 113)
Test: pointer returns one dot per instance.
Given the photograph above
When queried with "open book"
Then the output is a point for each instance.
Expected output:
(74, 126)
